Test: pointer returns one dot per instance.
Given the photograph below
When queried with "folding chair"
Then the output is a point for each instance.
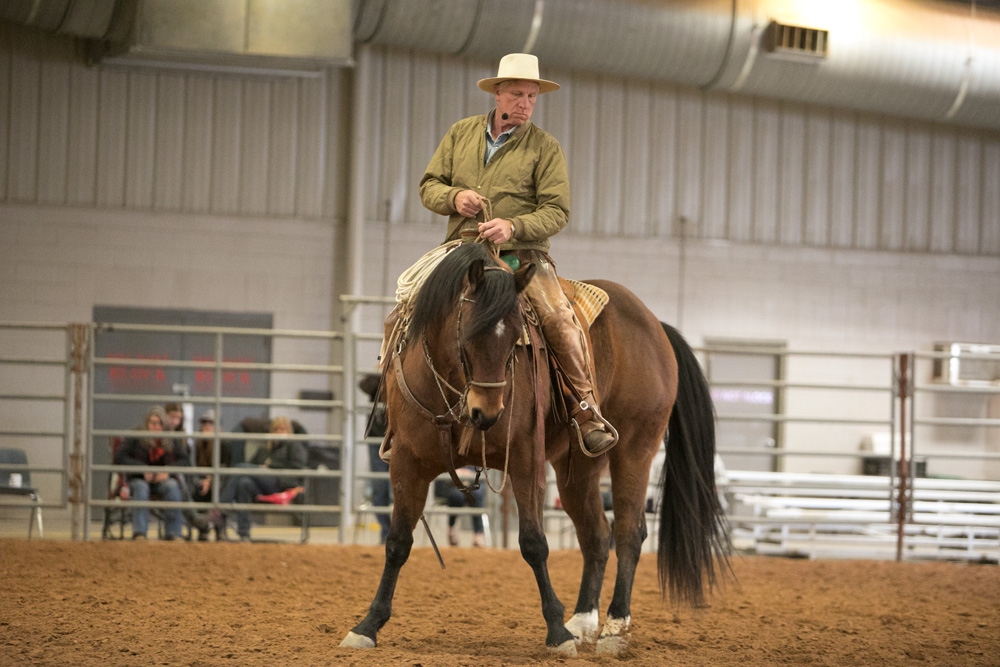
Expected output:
(17, 483)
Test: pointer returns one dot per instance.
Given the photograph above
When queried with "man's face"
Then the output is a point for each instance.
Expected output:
(154, 423)
(517, 100)
(175, 417)
(208, 427)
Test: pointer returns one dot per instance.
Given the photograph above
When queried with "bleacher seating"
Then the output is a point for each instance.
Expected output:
(816, 515)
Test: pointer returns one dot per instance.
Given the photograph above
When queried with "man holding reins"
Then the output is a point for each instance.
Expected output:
(516, 172)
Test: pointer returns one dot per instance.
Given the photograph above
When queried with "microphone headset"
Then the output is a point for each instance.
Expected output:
(504, 116)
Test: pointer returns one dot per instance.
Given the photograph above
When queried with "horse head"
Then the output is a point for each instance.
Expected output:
(468, 318)
(487, 343)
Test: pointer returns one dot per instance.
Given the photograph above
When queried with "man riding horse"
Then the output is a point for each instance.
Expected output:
(514, 172)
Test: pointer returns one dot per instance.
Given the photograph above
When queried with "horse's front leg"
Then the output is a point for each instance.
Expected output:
(409, 497)
(530, 495)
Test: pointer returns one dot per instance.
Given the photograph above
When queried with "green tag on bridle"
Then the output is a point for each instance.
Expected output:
(512, 261)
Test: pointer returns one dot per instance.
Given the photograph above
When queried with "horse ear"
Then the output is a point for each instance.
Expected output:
(523, 276)
(476, 274)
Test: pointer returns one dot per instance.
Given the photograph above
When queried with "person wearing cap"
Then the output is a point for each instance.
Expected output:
(202, 491)
(503, 165)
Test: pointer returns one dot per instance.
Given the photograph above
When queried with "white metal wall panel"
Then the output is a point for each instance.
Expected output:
(642, 156)
(226, 157)
(395, 184)
(140, 140)
(843, 154)
(196, 171)
(662, 133)
(968, 188)
(793, 150)
(22, 185)
(311, 138)
(111, 120)
(168, 154)
(990, 243)
(283, 143)
(766, 171)
(916, 232)
(582, 155)
(867, 182)
(715, 173)
(634, 184)
(422, 119)
(609, 168)
(943, 185)
(817, 178)
(5, 106)
(893, 187)
(81, 176)
(53, 125)
(256, 123)
(690, 158)
(740, 174)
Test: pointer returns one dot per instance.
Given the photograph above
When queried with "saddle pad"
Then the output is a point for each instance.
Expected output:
(589, 298)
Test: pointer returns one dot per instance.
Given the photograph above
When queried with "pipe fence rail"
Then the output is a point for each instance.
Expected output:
(821, 402)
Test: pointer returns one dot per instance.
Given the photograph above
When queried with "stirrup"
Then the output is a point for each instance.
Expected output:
(579, 434)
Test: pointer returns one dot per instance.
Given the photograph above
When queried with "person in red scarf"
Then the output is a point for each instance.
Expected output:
(153, 451)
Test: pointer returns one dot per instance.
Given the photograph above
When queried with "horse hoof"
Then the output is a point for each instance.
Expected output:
(611, 645)
(583, 626)
(354, 640)
(566, 649)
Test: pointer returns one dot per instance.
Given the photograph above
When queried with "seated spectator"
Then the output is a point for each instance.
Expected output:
(446, 490)
(175, 417)
(276, 454)
(381, 490)
(153, 451)
(202, 491)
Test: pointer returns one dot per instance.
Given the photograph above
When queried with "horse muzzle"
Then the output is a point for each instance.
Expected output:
(482, 419)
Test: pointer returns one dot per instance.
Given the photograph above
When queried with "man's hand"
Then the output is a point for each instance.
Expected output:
(204, 485)
(496, 230)
(160, 477)
(468, 203)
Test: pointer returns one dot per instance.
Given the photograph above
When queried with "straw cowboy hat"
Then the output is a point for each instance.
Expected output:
(521, 66)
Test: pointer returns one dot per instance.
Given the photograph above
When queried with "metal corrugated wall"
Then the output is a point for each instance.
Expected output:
(643, 156)
(163, 140)
(646, 156)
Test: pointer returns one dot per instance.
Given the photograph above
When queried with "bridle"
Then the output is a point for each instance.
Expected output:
(455, 413)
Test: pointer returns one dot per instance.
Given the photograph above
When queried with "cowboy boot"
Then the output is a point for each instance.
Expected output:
(566, 342)
(596, 438)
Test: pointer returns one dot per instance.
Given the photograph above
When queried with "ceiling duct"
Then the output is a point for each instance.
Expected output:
(926, 59)
(296, 37)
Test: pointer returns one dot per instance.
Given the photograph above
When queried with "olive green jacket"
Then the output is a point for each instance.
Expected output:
(527, 181)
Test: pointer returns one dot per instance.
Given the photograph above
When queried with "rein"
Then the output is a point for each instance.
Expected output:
(455, 412)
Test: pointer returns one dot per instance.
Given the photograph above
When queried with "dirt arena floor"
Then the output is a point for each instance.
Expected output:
(64, 603)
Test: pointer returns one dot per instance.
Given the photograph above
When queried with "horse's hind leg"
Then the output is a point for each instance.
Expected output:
(629, 479)
(530, 494)
(579, 490)
(409, 499)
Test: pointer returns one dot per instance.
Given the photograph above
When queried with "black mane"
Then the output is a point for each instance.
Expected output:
(495, 299)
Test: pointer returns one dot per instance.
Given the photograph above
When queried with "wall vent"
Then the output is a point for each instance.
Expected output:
(796, 42)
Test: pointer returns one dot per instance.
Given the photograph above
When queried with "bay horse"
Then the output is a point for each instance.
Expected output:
(461, 368)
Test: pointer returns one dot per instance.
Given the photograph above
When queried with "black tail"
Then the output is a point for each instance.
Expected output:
(694, 543)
